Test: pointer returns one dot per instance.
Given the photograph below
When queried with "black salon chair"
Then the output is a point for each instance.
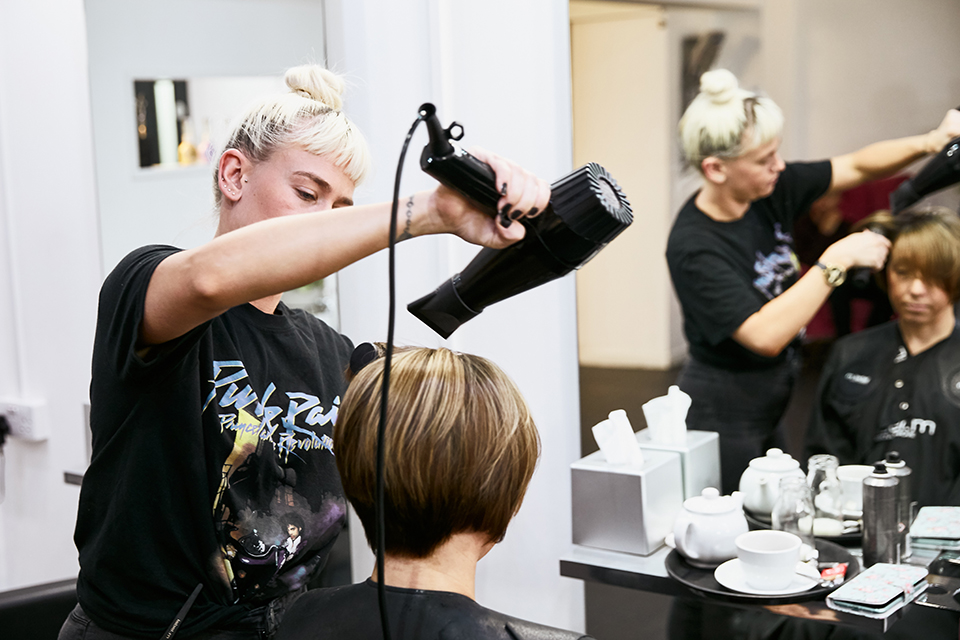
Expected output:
(37, 612)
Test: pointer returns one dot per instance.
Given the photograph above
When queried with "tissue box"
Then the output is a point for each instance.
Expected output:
(628, 508)
(699, 458)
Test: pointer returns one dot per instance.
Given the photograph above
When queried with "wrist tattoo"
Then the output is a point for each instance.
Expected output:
(406, 235)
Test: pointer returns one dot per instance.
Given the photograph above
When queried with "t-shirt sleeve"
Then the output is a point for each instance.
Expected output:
(714, 297)
(798, 187)
(120, 313)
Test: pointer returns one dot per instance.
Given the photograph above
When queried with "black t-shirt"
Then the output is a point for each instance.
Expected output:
(212, 461)
(354, 612)
(724, 272)
(875, 397)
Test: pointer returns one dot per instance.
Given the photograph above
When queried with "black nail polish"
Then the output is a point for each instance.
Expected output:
(503, 189)
(515, 214)
(533, 212)
(505, 220)
(505, 211)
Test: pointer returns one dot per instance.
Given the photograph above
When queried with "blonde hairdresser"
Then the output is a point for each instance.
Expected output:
(213, 498)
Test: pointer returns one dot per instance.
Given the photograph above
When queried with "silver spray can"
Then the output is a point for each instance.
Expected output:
(881, 536)
(899, 469)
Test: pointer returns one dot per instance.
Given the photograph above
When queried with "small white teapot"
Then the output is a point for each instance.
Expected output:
(760, 482)
(706, 527)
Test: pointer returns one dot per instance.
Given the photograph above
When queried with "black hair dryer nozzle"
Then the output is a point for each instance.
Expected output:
(942, 171)
(587, 210)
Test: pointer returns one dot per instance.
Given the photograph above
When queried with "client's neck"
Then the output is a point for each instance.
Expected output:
(451, 567)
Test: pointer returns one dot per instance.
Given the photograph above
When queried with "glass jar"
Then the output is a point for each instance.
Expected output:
(794, 511)
(827, 495)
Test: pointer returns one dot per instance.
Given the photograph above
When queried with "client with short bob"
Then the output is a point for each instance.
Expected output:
(926, 241)
(460, 449)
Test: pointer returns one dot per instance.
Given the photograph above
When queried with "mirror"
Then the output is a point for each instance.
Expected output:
(184, 122)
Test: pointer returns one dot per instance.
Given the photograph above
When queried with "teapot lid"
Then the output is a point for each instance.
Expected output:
(710, 501)
(775, 460)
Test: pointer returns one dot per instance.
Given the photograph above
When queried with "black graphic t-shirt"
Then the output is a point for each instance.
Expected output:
(212, 462)
(724, 272)
(875, 397)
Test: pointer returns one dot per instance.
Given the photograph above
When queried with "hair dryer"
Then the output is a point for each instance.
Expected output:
(587, 210)
(941, 172)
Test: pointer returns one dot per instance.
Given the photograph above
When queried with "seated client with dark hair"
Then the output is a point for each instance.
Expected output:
(896, 387)
(460, 449)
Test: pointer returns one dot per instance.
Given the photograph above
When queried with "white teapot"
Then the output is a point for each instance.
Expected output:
(706, 527)
(760, 482)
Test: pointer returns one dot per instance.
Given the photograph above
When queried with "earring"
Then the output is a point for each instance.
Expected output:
(245, 180)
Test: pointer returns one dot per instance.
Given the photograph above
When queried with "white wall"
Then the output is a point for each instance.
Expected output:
(49, 276)
(893, 75)
(513, 98)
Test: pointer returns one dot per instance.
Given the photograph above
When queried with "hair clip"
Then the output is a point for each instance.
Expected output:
(363, 355)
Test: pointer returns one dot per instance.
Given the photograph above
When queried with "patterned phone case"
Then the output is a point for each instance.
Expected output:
(879, 590)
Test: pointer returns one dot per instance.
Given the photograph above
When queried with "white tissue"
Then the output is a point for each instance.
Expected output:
(667, 416)
(616, 439)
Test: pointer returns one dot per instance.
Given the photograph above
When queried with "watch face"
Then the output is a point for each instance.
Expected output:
(835, 275)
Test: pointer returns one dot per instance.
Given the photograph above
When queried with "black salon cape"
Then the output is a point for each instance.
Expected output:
(353, 612)
(874, 397)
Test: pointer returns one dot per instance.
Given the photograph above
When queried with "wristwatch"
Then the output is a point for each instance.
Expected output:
(833, 274)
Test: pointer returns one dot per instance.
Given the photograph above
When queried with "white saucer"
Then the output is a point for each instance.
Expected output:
(730, 575)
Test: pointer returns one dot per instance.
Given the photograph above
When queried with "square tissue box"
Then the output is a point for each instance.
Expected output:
(699, 458)
(629, 508)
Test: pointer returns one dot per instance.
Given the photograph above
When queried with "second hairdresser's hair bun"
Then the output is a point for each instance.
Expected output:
(719, 85)
(313, 81)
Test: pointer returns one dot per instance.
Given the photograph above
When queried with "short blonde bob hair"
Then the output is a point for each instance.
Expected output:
(724, 120)
(308, 117)
(460, 448)
(925, 241)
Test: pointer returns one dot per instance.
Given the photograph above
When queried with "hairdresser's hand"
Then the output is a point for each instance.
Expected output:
(863, 249)
(948, 130)
(524, 195)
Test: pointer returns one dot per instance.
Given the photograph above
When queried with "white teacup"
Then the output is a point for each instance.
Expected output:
(768, 558)
(851, 483)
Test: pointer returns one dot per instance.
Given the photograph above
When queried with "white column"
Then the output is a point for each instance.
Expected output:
(502, 69)
(49, 276)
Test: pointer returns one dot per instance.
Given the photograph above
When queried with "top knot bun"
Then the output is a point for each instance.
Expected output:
(719, 85)
(315, 82)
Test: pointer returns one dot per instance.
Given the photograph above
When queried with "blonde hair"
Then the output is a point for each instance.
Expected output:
(307, 117)
(926, 241)
(460, 448)
(724, 120)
